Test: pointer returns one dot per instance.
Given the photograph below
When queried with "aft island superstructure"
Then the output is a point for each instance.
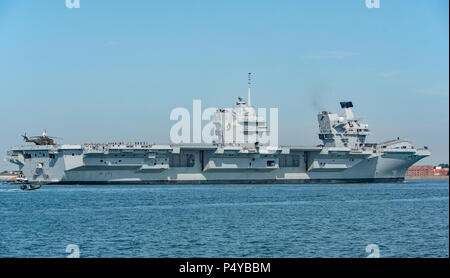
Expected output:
(343, 157)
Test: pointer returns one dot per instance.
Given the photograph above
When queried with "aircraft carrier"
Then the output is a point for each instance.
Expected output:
(343, 157)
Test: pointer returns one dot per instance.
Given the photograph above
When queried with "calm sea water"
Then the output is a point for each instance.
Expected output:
(410, 219)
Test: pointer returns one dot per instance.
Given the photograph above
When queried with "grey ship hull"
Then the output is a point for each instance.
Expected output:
(229, 181)
(213, 164)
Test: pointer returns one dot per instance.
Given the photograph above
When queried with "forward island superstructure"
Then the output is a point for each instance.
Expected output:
(343, 157)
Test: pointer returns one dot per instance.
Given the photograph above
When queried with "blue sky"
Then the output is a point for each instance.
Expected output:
(113, 70)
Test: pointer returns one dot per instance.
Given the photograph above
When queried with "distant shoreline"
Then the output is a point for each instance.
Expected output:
(426, 177)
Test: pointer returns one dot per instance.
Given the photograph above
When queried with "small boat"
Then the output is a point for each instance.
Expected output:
(29, 186)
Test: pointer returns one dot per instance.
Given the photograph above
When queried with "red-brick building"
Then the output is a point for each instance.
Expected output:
(426, 170)
(441, 171)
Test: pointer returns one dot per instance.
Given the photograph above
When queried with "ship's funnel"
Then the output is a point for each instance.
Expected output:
(346, 104)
